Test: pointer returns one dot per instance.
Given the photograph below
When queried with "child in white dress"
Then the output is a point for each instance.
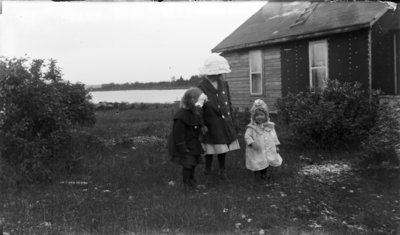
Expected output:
(262, 142)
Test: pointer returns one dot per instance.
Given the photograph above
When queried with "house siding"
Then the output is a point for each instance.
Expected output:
(383, 54)
(347, 61)
(294, 70)
(239, 78)
(348, 57)
(272, 76)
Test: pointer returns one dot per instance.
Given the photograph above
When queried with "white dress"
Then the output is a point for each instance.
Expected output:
(265, 137)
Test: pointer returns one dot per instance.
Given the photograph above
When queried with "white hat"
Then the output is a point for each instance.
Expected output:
(215, 64)
(259, 104)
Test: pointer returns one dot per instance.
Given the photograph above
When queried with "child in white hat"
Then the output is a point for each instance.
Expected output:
(262, 142)
(220, 137)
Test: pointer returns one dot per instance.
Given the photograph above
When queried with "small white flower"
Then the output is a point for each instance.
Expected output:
(237, 225)
(351, 191)
(46, 224)
(249, 220)
(243, 216)
(225, 210)
(261, 232)
(171, 183)
(315, 225)
(106, 191)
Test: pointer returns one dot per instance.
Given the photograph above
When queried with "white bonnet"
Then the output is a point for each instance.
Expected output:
(215, 64)
(259, 104)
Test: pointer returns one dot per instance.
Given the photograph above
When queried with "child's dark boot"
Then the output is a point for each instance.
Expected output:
(192, 180)
(186, 178)
(263, 174)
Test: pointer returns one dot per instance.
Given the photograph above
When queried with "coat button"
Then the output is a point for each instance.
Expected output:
(226, 103)
(223, 92)
(223, 116)
(229, 113)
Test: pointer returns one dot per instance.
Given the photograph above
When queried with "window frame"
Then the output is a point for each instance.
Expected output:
(258, 72)
(310, 67)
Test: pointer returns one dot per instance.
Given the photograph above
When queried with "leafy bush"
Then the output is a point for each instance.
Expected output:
(340, 115)
(39, 113)
(383, 138)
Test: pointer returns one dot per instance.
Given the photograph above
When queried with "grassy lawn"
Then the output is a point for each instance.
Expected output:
(128, 186)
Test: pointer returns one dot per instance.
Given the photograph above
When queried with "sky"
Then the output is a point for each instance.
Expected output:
(119, 42)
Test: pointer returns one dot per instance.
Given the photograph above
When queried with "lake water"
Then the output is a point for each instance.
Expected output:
(138, 96)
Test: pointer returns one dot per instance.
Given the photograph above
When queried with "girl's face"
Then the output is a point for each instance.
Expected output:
(259, 118)
(215, 78)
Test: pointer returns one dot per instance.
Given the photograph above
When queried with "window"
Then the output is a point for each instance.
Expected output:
(318, 55)
(255, 72)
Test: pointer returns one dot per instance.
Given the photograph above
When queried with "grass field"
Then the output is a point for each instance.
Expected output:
(127, 185)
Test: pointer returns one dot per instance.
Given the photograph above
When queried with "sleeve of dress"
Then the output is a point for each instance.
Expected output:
(179, 136)
(248, 136)
(276, 140)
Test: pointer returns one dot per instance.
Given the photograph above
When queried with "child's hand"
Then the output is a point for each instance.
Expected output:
(204, 130)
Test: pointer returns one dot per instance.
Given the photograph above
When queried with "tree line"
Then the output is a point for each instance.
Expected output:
(179, 83)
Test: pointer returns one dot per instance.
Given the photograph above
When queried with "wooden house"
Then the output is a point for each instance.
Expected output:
(293, 46)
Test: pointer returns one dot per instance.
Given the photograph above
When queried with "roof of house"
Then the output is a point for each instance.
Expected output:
(279, 22)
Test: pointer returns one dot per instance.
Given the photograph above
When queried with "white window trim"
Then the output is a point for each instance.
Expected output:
(310, 43)
(261, 72)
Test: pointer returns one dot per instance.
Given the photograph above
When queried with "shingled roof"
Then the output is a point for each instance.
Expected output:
(278, 22)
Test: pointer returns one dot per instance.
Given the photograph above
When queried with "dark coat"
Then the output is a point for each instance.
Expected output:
(217, 114)
(184, 138)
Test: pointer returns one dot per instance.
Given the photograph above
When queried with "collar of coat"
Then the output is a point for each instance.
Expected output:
(268, 126)
(208, 88)
(188, 116)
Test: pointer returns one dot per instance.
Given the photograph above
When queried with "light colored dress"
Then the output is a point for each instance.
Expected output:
(265, 137)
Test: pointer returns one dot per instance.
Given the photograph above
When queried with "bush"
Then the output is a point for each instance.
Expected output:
(383, 138)
(338, 116)
(39, 113)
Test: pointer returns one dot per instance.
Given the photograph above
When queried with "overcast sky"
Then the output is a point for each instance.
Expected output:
(104, 42)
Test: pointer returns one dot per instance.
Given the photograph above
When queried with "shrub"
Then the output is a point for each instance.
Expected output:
(39, 113)
(383, 138)
(340, 115)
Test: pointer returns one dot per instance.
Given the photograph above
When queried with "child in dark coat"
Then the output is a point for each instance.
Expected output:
(183, 144)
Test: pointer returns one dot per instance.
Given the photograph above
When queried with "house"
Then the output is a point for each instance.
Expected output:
(294, 46)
